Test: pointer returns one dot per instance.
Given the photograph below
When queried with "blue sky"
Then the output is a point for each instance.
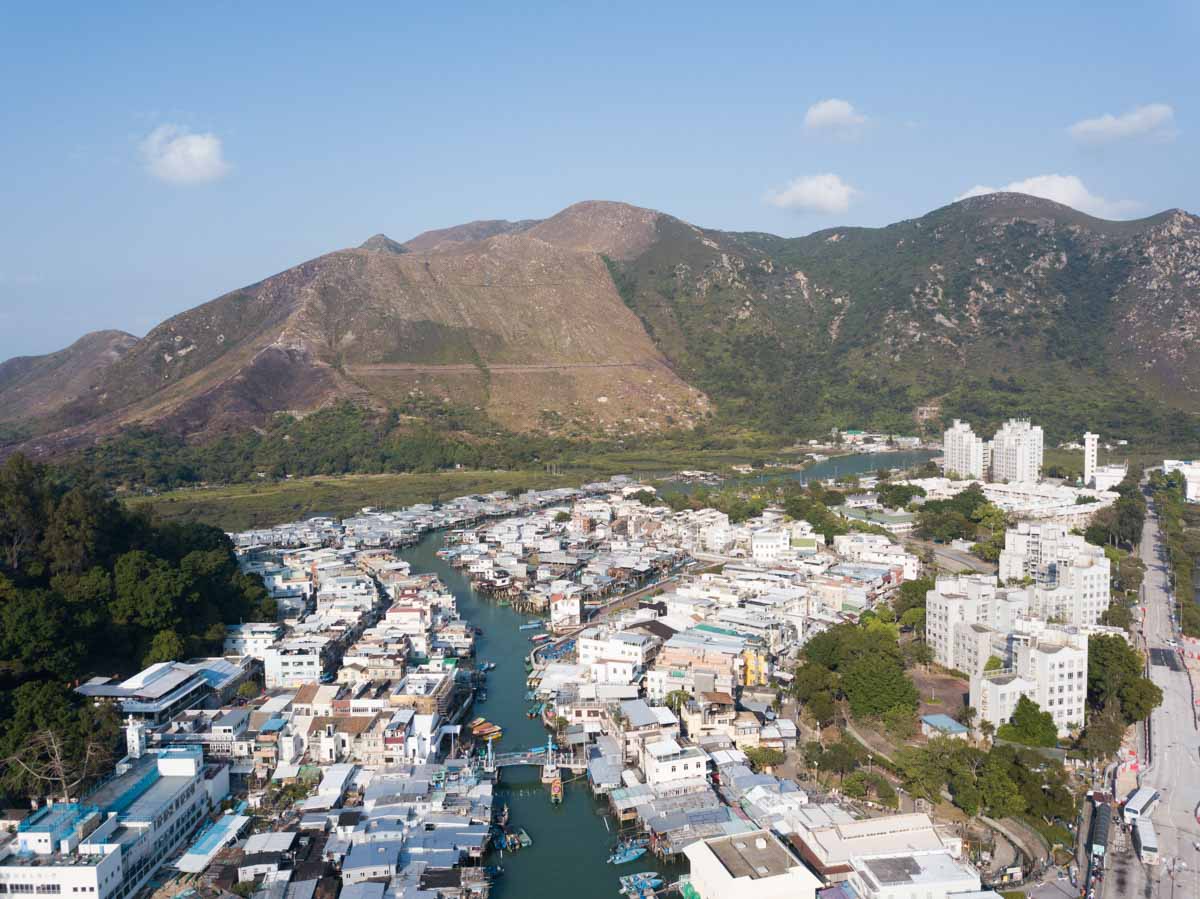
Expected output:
(156, 157)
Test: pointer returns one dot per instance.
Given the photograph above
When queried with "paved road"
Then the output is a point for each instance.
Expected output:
(952, 559)
(1174, 768)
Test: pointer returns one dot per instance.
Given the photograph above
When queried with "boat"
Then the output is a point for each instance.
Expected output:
(637, 885)
(530, 696)
(503, 819)
(539, 638)
(626, 854)
(477, 722)
(556, 790)
(524, 838)
(493, 871)
(532, 626)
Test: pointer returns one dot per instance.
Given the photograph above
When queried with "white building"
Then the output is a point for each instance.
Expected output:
(963, 451)
(1072, 575)
(754, 865)
(1191, 477)
(1099, 477)
(665, 761)
(917, 875)
(965, 614)
(1051, 669)
(113, 842)
(1017, 452)
(251, 639)
(769, 544)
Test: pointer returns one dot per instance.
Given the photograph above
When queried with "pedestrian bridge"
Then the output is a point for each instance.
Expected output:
(514, 759)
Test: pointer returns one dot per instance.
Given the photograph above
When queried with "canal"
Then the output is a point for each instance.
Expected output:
(571, 841)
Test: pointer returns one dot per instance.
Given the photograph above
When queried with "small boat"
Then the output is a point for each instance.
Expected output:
(502, 820)
(493, 871)
(524, 838)
(532, 626)
(637, 885)
(626, 854)
(477, 722)
(530, 696)
(556, 790)
(489, 666)
(539, 638)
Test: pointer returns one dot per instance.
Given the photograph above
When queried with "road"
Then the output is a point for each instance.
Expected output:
(951, 559)
(1174, 760)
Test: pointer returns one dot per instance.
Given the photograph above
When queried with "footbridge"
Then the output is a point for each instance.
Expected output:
(539, 759)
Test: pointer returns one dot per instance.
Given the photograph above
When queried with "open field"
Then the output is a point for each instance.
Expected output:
(240, 506)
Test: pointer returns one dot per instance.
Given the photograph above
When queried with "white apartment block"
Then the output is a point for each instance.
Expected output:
(665, 761)
(958, 607)
(1050, 669)
(963, 451)
(1017, 452)
(253, 639)
(769, 544)
(597, 646)
(1072, 575)
(295, 661)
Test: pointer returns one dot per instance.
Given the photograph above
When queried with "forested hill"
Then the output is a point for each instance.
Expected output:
(88, 587)
(608, 321)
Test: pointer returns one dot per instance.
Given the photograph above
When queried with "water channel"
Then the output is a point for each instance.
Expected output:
(570, 841)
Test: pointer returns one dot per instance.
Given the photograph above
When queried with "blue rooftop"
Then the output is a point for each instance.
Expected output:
(944, 723)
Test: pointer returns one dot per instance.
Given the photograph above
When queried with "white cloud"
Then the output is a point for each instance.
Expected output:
(1153, 119)
(1066, 189)
(814, 193)
(178, 156)
(833, 115)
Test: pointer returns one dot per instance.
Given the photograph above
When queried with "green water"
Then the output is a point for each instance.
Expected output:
(570, 841)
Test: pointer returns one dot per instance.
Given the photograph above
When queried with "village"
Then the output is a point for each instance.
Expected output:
(351, 743)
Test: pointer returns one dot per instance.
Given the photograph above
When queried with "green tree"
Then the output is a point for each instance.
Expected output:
(761, 757)
(1030, 725)
(875, 684)
(676, 700)
(165, 647)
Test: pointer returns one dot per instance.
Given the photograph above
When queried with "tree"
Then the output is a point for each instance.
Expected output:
(562, 517)
(965, 715)
(677, 699)
(913, 620)
(249, 689)
(998, 790)
(761, 757)
(1030, 725)
(1104, 733)
(1115, 673)
(823, 709)
(875, 684)
(994, 663)
(165, 647)
(911, 595)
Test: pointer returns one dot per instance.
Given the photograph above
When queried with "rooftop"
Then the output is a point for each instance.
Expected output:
(755, 855)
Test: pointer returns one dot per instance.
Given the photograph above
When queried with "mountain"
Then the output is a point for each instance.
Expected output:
(35, 386)
(993, 306)
(612, 319)
(527, 329)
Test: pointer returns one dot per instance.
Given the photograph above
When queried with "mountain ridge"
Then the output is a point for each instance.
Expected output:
(608, 318)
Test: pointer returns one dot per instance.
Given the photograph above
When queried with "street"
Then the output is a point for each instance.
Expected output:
(1174, 760)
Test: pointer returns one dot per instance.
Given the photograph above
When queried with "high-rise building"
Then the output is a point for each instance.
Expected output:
(1071, 575)
(1090, 444)
(1017, 452)
(963, 451)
